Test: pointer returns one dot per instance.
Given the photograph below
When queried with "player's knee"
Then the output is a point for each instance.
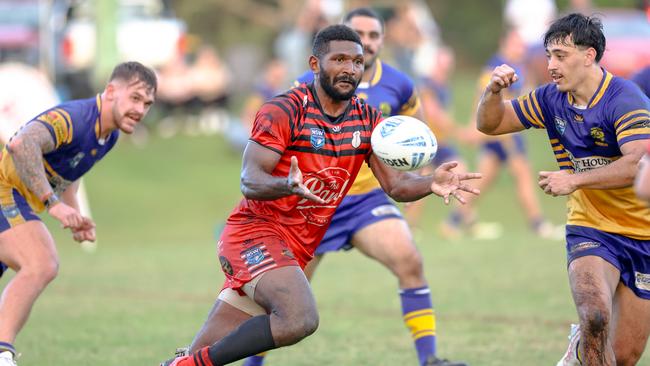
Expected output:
(41, 273)
(298, 328)
(595, 319)
(409, 263)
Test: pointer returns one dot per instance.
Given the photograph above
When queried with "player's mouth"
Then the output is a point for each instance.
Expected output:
(134, 117)
(557, 78)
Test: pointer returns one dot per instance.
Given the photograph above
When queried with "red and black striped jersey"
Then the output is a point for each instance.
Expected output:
(330, 152)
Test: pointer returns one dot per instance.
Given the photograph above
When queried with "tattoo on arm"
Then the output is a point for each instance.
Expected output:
(26, 150)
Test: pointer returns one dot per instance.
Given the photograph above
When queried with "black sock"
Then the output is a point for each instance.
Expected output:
(252, 337)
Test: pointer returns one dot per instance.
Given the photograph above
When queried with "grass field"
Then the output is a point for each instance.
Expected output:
(155, 275)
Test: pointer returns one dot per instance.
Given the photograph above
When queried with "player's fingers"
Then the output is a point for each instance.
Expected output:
(469, 189)
(544, 174)
(448, 165)
(312, 197)
(459, 197)
(466, 176)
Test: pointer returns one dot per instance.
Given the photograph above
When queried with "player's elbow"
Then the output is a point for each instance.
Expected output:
(487, 128)
(398, 194)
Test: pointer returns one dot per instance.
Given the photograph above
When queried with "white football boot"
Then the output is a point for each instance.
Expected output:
(571, 356)
(7, 359)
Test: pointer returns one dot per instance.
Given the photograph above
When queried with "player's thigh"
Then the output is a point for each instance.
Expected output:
(593, 281)
(222, 320)
(29, 243)
(285, 292)
(630, 322)
(520, 168)
(388, 241)
(310, 268)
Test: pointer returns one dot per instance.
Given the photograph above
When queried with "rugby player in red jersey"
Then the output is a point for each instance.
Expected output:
(306, 148)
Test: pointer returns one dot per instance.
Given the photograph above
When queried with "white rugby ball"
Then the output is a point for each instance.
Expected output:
(404, 143)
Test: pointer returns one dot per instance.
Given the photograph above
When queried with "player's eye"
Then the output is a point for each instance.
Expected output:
(340, 59)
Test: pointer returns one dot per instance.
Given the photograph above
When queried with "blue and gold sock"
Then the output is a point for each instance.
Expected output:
(420, 319)
(257, 360)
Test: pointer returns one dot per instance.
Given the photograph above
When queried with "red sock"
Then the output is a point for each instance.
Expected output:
(199, 358)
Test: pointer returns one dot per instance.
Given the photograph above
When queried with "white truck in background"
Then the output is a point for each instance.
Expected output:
(146, 31)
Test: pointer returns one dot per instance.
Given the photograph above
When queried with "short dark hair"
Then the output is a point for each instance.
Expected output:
(130, 70)
(337, 32)
(364, 12)
(584, 32)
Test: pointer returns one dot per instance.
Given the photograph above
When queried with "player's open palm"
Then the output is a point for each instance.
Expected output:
(447, 183)
(502, 77)
(296, 185)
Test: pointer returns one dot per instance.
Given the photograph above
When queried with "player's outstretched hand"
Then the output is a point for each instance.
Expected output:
(502, 77)
(446, 183)
(557, 183)
(294, 180)
(85, 232)
(67, 216)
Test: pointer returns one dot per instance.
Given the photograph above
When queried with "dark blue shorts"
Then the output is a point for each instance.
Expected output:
(513, 144)
(445, 153)
(14, 209)
(356, 212)
(630, 256)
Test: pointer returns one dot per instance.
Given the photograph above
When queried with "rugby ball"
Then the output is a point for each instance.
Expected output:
(404, 143)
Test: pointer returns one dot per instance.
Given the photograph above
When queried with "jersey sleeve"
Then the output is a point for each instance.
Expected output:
(631, 115)
(410, 102)
(59, 123)
(528, 108)
(273, 124)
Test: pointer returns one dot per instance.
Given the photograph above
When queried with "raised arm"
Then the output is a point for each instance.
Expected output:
(258, 183)
(406, 186)
(495, 116)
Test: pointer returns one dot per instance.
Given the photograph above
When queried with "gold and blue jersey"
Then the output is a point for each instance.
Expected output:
(390, 91)
(589, 138)
(75, 129)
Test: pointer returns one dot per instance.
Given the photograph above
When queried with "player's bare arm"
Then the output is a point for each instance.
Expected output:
(86, 229)
(618, 174)
(642, 183)
(27, 149)
(495, 116)
(406, 186)
(258, 183)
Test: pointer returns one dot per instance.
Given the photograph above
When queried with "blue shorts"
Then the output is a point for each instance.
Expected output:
(513, 144)
(14, 209)
(630, 256)
(356, 212)
(445, 153)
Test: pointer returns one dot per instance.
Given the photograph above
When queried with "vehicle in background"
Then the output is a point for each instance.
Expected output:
(146, 31)
(19, 31)
(628, 41)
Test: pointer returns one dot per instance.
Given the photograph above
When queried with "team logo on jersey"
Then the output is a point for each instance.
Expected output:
(328, 184)
(578, 118)
(10, 211)
(336, 129)
(77, 159)
(253, 255)
(225, 265)
(317, 138)
(560, 125)
(356, 139)
(598, 135)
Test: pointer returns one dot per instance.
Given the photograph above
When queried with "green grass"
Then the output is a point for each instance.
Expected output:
(155, 275)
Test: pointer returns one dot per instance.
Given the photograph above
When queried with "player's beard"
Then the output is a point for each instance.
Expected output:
(329, 88)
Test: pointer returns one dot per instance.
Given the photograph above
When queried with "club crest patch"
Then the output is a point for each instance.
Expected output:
(560, 125)
(317, 138)
(253, 256)
(356, 139)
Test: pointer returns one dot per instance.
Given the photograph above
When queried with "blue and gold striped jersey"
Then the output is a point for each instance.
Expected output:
(75, 129)
(390, 91)
(589, 138)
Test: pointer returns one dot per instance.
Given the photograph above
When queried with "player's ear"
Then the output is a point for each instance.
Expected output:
(590, 56)
(110, 91)
(314, 64)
